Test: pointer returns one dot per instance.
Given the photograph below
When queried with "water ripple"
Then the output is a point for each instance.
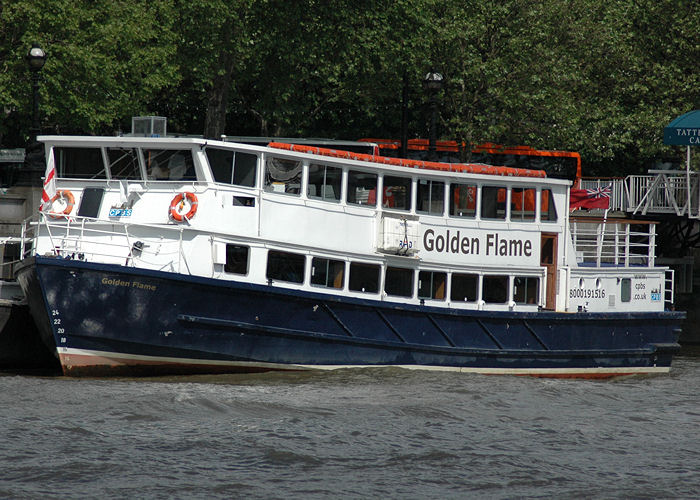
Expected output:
(376, 433)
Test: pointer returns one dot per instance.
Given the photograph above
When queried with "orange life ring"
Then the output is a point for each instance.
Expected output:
(177, 204)
(70, 203)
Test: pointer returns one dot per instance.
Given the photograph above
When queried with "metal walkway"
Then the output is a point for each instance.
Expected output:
(673, 192)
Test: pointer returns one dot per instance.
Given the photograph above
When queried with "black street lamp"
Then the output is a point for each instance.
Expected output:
(432, 84)
(34, 153)
(404, 116)
(36, 58)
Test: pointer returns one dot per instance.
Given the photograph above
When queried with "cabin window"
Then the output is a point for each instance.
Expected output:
(548, 210)
(169, 164)
(236, 259)
(398, 281)
(522, 204)
(282, 175)
(327, 272)
(526, 290)
(493, 202)
(431, 197)
(397, 193)
(124, 163)
(80, 163)
(285, 266)
(364, 277)
(232, 167)
(245, 168)
(463, 200)
(324, 182)
(362, 188)
(431, 285)
(626, 290)
(495, 289)
(465, 288)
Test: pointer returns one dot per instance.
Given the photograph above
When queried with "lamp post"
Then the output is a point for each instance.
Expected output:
(36, 58)
(404, 116)
(34, 153)
(432, 84)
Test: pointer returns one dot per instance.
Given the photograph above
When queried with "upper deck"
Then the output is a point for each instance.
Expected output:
(295, 198)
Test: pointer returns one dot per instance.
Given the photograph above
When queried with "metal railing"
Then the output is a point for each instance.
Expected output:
(662, 191)
(619, 196)
(669, 285)
(114, 242)
(613, 242)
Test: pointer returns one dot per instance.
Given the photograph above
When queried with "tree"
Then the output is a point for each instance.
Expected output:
(105, 61)
(212, 52)
(601, 78)
(593, 76)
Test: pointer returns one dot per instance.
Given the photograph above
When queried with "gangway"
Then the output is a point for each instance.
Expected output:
(673, 192)
(662, 192)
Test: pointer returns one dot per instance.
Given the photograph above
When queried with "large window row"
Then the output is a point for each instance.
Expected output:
(124, 163)
(432, 197)
(365, 277)
(227, 166)
(324, 182)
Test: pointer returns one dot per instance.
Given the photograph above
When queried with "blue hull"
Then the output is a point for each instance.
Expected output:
(115, 320)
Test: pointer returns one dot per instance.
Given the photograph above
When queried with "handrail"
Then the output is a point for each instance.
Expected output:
(661, 191)
(67, 237)
(612, 242)
(669, 285)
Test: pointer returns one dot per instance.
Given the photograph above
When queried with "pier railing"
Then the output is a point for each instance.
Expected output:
(619, 193)
(662, 191)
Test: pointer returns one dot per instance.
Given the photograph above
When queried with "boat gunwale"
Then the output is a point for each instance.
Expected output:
(254, 287)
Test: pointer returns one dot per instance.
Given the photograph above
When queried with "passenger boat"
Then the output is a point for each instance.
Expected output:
(185, 255)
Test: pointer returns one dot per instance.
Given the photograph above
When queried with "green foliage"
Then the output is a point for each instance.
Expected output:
(105, 60)
(599, 77)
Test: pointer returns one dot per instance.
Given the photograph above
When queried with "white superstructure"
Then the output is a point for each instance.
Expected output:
(343, 226)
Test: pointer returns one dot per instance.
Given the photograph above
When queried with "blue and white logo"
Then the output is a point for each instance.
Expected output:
(120, 212)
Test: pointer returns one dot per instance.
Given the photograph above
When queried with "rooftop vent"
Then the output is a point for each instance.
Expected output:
(149, 126)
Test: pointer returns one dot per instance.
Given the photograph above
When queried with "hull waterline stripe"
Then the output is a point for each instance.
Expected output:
(86, 358)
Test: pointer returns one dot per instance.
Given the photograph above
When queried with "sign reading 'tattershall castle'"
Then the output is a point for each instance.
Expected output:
(684, 130)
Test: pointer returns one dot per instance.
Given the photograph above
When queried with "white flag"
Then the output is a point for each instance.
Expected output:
(49, 185)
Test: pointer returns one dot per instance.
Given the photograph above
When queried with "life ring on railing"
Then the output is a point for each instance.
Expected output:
(68, 197)
(178, 203)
